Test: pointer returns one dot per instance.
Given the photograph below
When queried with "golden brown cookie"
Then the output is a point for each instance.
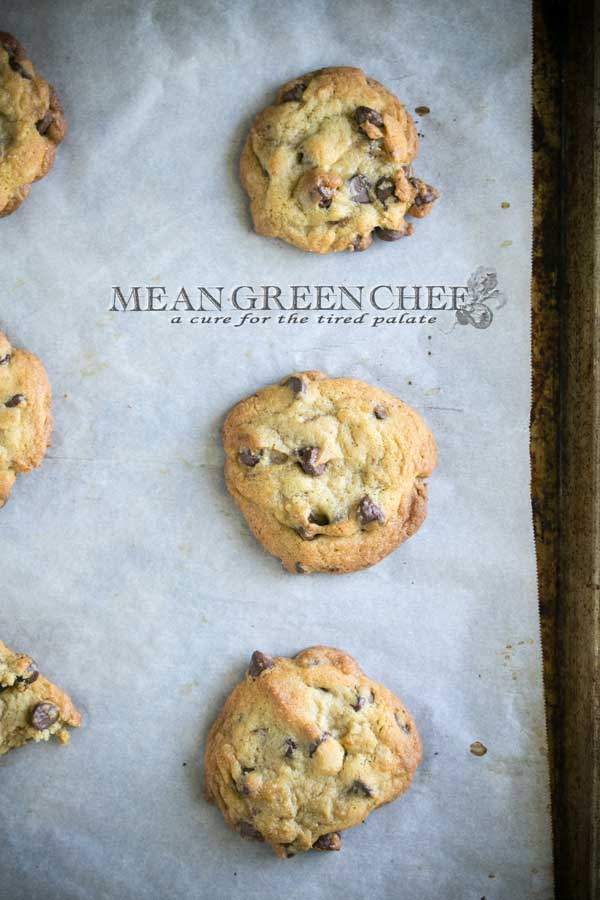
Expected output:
(25, 417)
(32, 124)
(305, 748)
(31, 707)
(330, 164)
(328, 471)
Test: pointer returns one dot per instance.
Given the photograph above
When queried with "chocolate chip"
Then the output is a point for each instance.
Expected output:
(259, 662)
(31, 673)
(4, 360)
(326, 194)
(294, 93)
(300, 569)
(403, 726)
(313, 747)
(359, 187)
(44, 715)
(331, 841)
(365, 114)
(306, 536)
(44, 124)
(250, 457)
(385, 188)
(17, 67)
(361, 789)
(318, 518)
(307, 457)
(16, 400)
(361, 701)
(380, 412)
(10, 45)
(249, 831)
(298, 385)
(369, 511)
(358, 244)
(291, 745)
(389, 234)
(425, 193)
(300, 157)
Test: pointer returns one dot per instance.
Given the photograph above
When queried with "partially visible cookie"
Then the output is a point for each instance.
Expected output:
(31, 707)
(329, 472)
(25, 418)
(32, 124)
(305, 748)
(330, 164)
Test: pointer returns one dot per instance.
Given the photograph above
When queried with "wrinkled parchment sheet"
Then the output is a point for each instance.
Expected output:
(127, 571)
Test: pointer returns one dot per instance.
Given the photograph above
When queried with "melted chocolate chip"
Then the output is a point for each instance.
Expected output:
(298, 385)
(368, 511)
(44, 124)
(307, 457)
(294, 93)
(366, 114)
(300, 157)
(403, 726)
(313, 747)
(385, 189)
(357, 244)
(318, 518)
(44, 715)
(17, 67)
(361, 789)
(326, 195)
(31, 673)
(4, 360)
(331, 841)
(300, 569)
(389, 234)
(361, 701)
(16, 400)
(249, 831)
(259, 662)
(425, 193)
(291, 745)
(380, 412)
(250, 457)
(359, 188)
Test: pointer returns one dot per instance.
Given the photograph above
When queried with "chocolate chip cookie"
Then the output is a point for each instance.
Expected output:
(305, 748)
(328, 471)
(32, 124)
(330, 164)
(25, 417)
(31, 707)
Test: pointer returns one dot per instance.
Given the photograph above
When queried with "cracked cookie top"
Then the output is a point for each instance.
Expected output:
(328, 471)
(32, 124)
(330, 164)
(31, 707)
(25, 417)
(306, 747)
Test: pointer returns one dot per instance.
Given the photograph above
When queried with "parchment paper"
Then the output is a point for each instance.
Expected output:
(126, 569)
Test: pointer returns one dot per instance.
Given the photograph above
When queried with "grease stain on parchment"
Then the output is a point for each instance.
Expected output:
(94, 366)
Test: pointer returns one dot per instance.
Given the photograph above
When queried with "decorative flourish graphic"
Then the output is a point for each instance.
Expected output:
(482, 295)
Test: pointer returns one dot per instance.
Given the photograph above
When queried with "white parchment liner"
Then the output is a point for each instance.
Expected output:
(126, 569)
